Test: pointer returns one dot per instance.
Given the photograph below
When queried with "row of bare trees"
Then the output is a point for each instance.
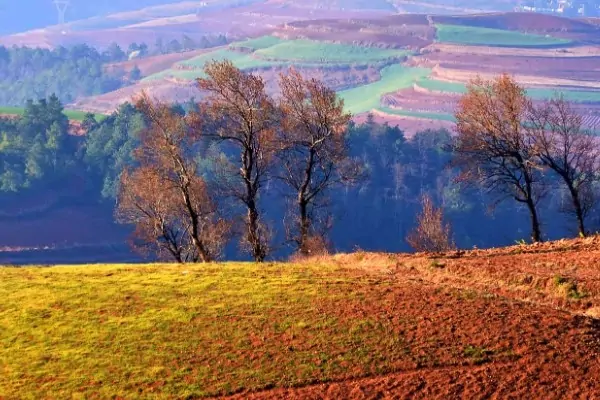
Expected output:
(507, 144)
(516, 149)
(520, 149)
(298, 139)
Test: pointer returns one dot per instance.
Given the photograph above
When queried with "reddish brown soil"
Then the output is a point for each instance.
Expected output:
(406, 31)
(521, 335)
(422, 100)
(580, 68)
(155, 64)
(409, 125)
(417, 100)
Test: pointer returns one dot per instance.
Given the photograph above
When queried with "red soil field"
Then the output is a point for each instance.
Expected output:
(405, 31)
(155, 64)
(409, 125)
(580, 68)
(528, 316)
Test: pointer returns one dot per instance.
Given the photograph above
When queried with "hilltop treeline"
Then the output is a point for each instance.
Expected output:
(27, 73)
(375, 210)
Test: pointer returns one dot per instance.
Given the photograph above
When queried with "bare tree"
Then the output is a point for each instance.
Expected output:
(143, 202)
(164, 197)
(314, 154)
(493, 148)
(245, 117)
(562, 145)
(432, 234)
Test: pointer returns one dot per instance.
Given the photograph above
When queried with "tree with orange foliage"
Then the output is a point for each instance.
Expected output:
(493, 148)
(562, 145)
(313, 153)
(431, 234)
(245, 117)
(164, 197)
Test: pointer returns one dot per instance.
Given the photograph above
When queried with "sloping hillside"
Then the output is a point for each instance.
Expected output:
(516, 322)
(407, 69)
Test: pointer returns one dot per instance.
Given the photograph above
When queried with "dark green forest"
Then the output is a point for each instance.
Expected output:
(78, 71)
(27, 73)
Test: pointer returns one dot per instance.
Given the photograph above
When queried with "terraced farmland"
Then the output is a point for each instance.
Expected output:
(470, 35)
(269, 51)
(574, 95)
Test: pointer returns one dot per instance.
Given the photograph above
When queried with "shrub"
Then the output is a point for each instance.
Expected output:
(432, 234)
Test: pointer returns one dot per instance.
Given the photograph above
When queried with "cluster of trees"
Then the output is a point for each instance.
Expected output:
(521, 150)
(27, 73)
(297, 142)
(35, 73)
(114, 52)
(37, 147)
(187, 43)
(301, 147)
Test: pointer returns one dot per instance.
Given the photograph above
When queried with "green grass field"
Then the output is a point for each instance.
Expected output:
(469, 35)
(368, 97)
(193, 68)
(164, 331)
(278, 53)
(258, 43)
(314, 51)
(74, 115)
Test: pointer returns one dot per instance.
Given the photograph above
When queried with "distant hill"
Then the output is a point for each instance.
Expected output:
(16, 16)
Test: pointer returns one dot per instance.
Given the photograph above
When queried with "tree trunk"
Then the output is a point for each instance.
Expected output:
(253, 234)
(536, 234)
(578, 209)
(304, 225)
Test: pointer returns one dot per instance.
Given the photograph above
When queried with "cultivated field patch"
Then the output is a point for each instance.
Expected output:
(577, 96)
(258, 43)
(469, 35)
(417, 114)
(74, 115)
(394, 77)
(322, 52)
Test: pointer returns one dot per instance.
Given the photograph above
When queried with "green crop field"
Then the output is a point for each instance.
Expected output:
(314, 51)
(262, 42)
(469, 35)
(74, 115)
(368, 97)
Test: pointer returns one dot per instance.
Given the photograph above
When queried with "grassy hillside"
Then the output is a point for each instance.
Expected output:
(128, 331)
(367, 97)
(73, 115)
(170, 331)
(470, 35)
(314, 51)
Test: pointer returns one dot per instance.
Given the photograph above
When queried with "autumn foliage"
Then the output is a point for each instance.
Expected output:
(510, 146)
(164, 197)
(431, 234)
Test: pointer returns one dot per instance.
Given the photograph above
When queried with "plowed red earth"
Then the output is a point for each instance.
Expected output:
(519, 322)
